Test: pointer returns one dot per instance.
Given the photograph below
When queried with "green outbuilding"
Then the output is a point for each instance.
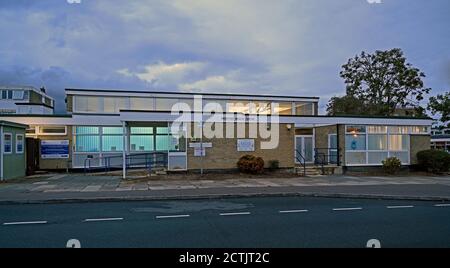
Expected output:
(12, 152)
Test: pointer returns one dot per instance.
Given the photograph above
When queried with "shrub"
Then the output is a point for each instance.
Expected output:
(391, 165)
(434, 161)
(274, 164)
(250, 164)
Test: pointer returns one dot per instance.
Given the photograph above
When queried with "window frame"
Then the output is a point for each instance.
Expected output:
(17, 143)
(11, 143)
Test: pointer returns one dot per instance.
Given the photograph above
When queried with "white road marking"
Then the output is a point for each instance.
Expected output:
(234, 213)
(25, 222)
(442, 205)
(103, 219)
(293, 211)
(393, 207)
(345, 209)
(172, 216)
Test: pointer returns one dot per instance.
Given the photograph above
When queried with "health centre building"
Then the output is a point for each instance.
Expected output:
(192, 131)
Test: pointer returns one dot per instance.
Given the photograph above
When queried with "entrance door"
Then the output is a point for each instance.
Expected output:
(305, 146)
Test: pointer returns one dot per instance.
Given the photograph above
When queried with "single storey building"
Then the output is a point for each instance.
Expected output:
(116, 128)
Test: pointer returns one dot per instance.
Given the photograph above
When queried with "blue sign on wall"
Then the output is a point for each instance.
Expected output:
(55, 149)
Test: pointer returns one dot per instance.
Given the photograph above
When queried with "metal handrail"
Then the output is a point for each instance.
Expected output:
(323, 159)
(303, 164)
(149, 159)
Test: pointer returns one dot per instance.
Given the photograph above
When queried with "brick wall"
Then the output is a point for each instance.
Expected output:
(224, 154)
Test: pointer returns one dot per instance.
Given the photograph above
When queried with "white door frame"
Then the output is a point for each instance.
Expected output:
(303, 147)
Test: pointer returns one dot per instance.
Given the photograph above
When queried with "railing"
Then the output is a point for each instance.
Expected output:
(147, 160)
(301, 160)
(326, 156)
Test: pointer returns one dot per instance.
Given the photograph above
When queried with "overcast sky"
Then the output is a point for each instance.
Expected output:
(291, 47)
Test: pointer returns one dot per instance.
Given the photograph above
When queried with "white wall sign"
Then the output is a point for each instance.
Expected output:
(199, 152)
(246, 145)
(199, 145)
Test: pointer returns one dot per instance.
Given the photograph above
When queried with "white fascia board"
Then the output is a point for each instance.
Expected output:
(298, 121)
(34, 120)
(440, 140)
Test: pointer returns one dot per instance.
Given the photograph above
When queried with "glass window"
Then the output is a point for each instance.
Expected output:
(113, 130)
(109, 105)
(4, 94)
(10, 94)
(304, 108)
(238, 107)
(141, 143)
(52, 130)
(219, 106)
(141, 104)
(377, 157)
(87, 104)
(419, 129)
(355, 158)
(19, 143)
(18, 94)
(356, 129)
(355, 142)
(283, 108)
(141, 130)
(112, 143)
(87, 143)
(376, 129)
(332, 141)
(399, 130)
(86, 130)
(162, 130)
(377, 142)
(162, 143)
(165, 104)
(7, 143)
(263, 108)
(398, 142)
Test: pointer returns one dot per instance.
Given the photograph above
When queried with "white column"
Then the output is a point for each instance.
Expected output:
(124, 151)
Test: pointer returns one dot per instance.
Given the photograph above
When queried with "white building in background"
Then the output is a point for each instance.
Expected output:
(25, 100)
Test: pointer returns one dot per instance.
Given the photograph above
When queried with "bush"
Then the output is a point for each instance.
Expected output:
(434, 161)
(251, 164)
(391, 165)
(274, 164)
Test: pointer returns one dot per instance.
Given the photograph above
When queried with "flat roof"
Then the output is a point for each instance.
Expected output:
(187, 93)
(12, 124)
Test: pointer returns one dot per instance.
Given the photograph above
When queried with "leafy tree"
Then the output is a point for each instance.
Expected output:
(441, 105)
(346, 105)
(382, 81)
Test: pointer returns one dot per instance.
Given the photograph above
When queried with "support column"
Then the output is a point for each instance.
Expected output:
(124, 151)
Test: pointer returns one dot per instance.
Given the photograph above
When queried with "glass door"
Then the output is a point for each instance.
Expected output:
(304, 145)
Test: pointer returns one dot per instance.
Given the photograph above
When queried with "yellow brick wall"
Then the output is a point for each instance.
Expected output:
(224, 154)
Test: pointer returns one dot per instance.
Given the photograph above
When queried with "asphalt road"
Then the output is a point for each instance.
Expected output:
(238, 222)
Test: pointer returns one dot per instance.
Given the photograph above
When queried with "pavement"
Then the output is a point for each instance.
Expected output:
(255, 222)
(52, 188)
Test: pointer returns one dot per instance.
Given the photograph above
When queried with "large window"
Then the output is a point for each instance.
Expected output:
(141, 104)
(112, 139)
(87, 139)
(141, 139)
(372, 144)
(87, 104)
(283, 108)
(304, 108)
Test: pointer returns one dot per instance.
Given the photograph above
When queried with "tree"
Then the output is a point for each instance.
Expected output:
(346, 105)
(441, 105)
(383, 82)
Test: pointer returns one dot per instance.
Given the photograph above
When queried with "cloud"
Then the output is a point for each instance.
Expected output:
(267, 47)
